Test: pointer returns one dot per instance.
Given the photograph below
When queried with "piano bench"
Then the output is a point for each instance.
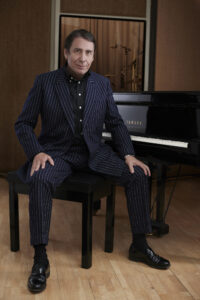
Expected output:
(80, 187)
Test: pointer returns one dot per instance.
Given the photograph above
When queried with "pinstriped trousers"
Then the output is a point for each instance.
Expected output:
(44, 182)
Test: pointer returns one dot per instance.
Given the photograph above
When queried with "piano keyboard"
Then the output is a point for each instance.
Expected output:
(152, 140)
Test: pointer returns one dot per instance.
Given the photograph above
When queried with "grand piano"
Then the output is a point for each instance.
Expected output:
(165, 130)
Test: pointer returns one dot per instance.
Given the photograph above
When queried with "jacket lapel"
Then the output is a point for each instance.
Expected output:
(64, 97)
(89, 100)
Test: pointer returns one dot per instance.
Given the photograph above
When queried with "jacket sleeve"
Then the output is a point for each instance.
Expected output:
(115, 125)
(27, 121)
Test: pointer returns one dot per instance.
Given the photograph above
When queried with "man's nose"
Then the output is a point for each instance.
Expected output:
(83, 56)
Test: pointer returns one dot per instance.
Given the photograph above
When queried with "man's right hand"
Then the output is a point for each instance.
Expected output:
(40, 161)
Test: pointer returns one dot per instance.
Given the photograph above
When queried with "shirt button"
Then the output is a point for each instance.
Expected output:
(80, 107)
(81, 120)
(79, 94)
(79, 82)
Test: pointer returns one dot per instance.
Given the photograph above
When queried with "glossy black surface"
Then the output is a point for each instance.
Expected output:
(163, 115)
(167, 115)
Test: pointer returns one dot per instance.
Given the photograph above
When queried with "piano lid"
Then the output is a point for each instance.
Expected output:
(174, 115)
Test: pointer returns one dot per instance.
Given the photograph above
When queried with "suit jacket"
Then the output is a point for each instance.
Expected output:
(50, 98)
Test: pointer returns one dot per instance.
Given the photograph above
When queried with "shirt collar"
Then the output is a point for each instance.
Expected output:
(70, 78)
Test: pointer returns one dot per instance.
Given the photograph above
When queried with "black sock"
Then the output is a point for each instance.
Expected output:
(40, 254)
(140, 242)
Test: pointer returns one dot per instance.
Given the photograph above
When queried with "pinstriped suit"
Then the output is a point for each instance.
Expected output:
(50, 98)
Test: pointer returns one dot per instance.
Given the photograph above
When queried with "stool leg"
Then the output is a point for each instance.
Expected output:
(96, 206)
(14, 218)
(110, 217)
(87, 207)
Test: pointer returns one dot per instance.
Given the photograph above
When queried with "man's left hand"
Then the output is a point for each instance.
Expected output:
(132, 161)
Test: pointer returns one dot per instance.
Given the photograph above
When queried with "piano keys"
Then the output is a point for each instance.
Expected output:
(162, 142)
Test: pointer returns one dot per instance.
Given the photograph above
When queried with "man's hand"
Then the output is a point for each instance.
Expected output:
(131, 161)
(39, 161)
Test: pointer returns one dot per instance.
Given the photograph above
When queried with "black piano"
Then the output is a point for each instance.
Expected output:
(165, 129)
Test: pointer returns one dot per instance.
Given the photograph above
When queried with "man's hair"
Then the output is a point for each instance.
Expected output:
(79, 33)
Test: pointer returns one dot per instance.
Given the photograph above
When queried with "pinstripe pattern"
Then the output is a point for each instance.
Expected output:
(50, 98)
(137, 196)
(42, 184)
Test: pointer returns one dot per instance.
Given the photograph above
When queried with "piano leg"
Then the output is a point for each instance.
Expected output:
(159, 226)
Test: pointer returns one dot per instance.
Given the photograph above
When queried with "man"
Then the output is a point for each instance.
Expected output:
(74, 103)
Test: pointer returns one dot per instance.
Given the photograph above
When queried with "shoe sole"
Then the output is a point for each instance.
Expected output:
(139, 259)
(35, 291)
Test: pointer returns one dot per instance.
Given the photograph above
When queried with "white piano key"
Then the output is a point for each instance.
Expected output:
(152, 140)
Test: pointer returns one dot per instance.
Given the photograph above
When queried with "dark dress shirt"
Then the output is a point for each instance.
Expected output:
(77, 90)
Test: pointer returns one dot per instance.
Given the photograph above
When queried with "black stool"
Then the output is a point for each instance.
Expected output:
(80, 187)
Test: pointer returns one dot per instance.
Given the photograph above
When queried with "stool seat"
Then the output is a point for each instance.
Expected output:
(82, 187)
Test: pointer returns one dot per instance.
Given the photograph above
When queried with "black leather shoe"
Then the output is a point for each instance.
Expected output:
(149, 257)
(37, 279)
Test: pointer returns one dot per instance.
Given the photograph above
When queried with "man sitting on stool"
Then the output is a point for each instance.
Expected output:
(74, 103)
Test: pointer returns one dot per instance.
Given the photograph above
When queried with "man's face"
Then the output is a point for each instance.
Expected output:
(80, 56)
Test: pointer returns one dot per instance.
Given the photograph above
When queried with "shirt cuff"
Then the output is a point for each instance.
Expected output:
(129, 155)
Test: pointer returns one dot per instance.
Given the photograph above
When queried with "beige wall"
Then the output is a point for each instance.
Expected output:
(178, 45)
(128, 8)
(24, 52)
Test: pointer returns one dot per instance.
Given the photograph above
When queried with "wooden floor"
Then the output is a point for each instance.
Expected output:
(112, 275)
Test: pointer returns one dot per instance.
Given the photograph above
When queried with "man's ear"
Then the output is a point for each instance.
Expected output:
(65, 53)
